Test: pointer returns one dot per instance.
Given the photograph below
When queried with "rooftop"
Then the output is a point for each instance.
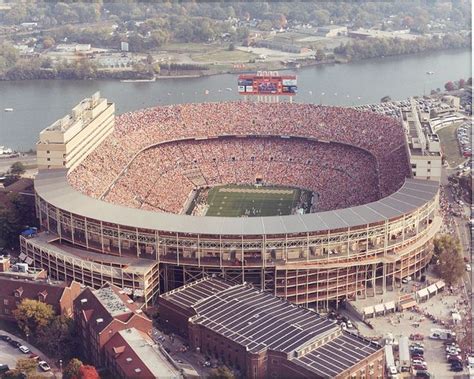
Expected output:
(111, 301)
(260, 321)
(53, 187)
(149, 354)
(191, 294)
(337, 355)
(110, 262)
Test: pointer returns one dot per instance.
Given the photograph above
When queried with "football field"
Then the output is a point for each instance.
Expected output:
(251, 201)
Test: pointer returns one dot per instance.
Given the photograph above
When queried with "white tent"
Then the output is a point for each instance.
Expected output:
(390, 306)
(368, 311)
(456, 317)
(432, 289)
(379, 308)
(422, 294)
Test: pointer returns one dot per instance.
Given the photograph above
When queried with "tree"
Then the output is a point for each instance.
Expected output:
(33, 316)
(23, 366)
(231, 47)
(222, 372)
(320, 55)
(385, 99)
(462, 83)
(448, 253)
(59, 339)
(17, 168)
(449, 86)
(88, 372)
(71, 370)
(48, 42)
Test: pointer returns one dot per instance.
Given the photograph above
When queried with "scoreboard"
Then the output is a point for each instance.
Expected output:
(267, 83)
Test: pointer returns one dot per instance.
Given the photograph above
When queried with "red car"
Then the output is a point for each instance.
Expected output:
(419, 367)
(417, 337)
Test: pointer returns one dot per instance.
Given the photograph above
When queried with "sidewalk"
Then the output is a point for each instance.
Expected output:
(54, 373)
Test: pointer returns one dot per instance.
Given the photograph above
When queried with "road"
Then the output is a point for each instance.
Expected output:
(10, 355)
(5, 163)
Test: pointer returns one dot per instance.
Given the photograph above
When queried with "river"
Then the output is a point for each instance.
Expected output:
(38, 103)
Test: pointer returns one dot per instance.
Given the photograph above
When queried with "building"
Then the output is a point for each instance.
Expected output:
(423, 145)
(452, 101)
(69, 140)
(100, 314)
(138, 277)
(263, 336)
(21, 270)
(314, 259)
(332, 31)
(131, 353)
(59, 295)
(73, 48)
(382, 34)
(124, 46)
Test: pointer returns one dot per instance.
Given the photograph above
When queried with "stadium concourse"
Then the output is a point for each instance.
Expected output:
(122, 195)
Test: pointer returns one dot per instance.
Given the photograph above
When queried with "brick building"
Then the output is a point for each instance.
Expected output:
(100, 314)
(131, 353)
(59, 295)
(264, 336)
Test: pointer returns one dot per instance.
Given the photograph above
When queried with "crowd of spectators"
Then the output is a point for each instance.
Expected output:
(351, 179)
(366, 161)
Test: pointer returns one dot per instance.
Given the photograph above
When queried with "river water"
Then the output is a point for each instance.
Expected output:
(38, 103)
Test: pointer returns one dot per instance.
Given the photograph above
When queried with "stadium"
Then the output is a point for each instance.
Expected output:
(315, 204)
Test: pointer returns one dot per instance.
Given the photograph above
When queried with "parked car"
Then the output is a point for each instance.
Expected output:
(24, 349)
(34, 356)
(14, 343)
(43, 365)
(419, 367)
(5, 338)
(417, 337)
(454, 358)
(422, 374)
(4, 368)
(457, 367)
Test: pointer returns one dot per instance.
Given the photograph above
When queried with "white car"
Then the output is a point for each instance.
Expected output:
(43, 365)
(24, 349)
(468, 267)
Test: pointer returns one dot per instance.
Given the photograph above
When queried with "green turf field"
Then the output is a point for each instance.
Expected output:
(251, 201)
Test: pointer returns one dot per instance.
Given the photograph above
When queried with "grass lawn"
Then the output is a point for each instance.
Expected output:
(187, 47)
(224, 56)
(450, 146)
(251, 201)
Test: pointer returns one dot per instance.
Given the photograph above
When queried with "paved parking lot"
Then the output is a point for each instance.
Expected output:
(413, 322)
(10, 355)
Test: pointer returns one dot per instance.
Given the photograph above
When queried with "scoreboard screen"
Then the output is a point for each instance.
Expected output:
(267, 83)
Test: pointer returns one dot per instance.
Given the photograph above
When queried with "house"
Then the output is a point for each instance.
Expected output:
(100, 314)
(59, 295)
(131, 353)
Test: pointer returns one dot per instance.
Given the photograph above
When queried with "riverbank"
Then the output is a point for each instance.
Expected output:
(84, 70)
